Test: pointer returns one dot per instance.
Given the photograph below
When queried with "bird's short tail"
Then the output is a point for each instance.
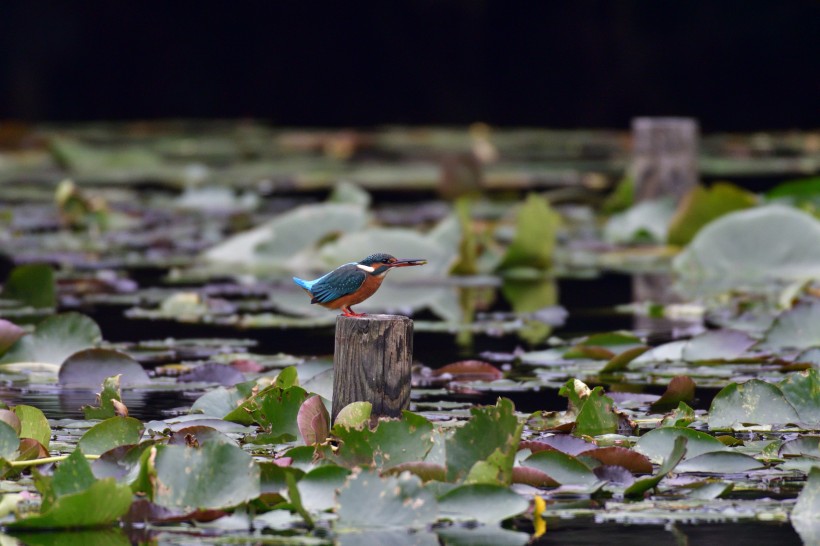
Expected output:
(303, 283)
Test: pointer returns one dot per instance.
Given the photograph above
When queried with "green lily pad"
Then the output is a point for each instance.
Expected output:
(482, 502)
(703, 205)
(108, 434)
(33, 424)
(221, 401)
(318, 487)
(55, 339)
(215, 475)
(717, 345)
(31, 285)
(794, 328)
(93, 366)
(355, 415)
(753, 402)
(489, 439)
(640, 487)
(807, 506)
(103, 503)
(658, 444)
(801, 390)
(368, 501)
(750, 248)
(563, 468)
(9, 442)
(719, 462)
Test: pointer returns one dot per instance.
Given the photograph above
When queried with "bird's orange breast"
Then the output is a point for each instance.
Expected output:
(368, 288)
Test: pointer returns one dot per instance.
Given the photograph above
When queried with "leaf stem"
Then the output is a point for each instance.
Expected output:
(45, 460)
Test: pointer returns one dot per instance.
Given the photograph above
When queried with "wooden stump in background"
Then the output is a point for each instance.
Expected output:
(371, 363)
(664, 157)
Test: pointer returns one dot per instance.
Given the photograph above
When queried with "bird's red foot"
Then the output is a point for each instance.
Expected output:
(348, 312)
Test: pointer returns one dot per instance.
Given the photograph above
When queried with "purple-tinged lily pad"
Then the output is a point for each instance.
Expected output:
(213, 373)
(91, 367)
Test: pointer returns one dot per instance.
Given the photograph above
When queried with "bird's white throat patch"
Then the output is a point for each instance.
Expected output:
(366, 268)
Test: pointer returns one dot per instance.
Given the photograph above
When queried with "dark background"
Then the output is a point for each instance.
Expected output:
(735, 65)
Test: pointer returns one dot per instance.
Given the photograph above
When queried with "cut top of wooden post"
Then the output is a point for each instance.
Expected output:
(372, 362)
(665, 156)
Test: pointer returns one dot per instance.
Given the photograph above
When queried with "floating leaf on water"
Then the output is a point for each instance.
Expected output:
(645, 222)
(9, 442)
(717, 345)
(354, 415)
(55, 339)
(658, 444)
(11, 419)
(564, 469)
(469, 370)
(215, 475)
(807, 506)
(615, 475)
(620, 456)
(753, 402)
(489, 439)
(368, 501)
(794, 328)
(111, 433)
(702, 205)
(32, 286)
(532, 476)
(681, 389)
(620, 362)
(318, 487)
(211, 372)
(801, 391)
(33, 424)
(641, 486)
(752, 247)
(94, 366)
(805, 445)
(221, 401)
(720, 462)
(485, 503)
(571, 445)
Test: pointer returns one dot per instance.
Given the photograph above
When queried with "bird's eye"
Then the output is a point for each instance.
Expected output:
(391, 261)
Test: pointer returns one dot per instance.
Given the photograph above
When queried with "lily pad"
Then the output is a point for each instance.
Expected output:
(563, 468)
(9, 442)
(801, 390)
(640, 487)
(368, 501)
(680, 389)
(658, 444)
(9, 334)
(645, 222)
(717, 345)
(485, 503)
(109, 400)
(535, 236)
(751, 247)
(93, 366)
(313, 421)
(597, 415)
(111, 433)
(31, 285)
(794, 328)
(754, 402)
(55, 339)
(703, 205)
(720, 462)
(215, 475)
(33, 424)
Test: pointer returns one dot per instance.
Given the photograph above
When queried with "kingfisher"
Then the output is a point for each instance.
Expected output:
(353, 283)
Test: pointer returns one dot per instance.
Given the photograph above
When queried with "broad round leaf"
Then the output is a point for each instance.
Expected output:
(11, 419)
(717, 345)
(55, 339)
(658, 444)
(9, 334)
(92, 366)
(720, 462)
(483, 502)
(111, 433)
(318, 487)
(563, 468)
(368, 501)
(215, 475)
(9, 442)
(795, 328)
(753, 402)
(33, 424)
(751, 247)
(801, 391)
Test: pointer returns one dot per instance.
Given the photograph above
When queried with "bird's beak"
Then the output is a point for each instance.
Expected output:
(407, 262)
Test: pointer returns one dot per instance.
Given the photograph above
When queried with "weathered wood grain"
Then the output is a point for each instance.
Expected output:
(372, 363)
(665, 157)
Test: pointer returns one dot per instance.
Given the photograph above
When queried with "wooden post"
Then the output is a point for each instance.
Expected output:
(665, 157)
(371, 363)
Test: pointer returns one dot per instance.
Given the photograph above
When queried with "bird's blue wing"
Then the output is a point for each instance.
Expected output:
(339, 282)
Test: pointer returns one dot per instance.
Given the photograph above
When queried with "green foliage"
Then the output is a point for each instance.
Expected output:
(108, 434)
(33, 424)
(622, 197)
(703, 205)
(535, 236)
(106, 399)
(483, 450)
(641, 486)
(563, 468)
(31, 285)
(753, 402)
(55, 339)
